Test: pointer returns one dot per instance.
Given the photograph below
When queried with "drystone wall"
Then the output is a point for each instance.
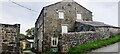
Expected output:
(114, 31)
(9, 39)
(77, 38)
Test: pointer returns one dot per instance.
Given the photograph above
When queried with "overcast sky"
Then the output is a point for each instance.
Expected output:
(103, 11)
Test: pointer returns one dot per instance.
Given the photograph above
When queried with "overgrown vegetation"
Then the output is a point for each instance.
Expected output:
(24, 38)
(30, 49)
(94, 45)
(29, 34)
(49, 52)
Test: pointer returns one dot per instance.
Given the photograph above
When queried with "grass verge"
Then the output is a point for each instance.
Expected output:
(94, 45)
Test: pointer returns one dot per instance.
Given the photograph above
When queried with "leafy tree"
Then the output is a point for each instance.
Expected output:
(30, 33)
(22, 36)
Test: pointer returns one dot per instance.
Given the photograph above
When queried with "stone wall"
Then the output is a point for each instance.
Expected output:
(73, 39)
(39, 32)
(0, 41)
(114, 31)
(103, 31)
(9, 38)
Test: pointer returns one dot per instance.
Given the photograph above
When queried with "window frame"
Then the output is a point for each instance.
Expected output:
(66, 30)
(54, 41)
(78, 16)
(61, 14)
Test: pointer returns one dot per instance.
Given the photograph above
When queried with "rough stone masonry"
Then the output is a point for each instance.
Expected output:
(57, 22)
(9, 39)
(72, 39)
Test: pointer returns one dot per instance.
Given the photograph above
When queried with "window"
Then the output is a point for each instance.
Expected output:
(79, 17)
(61, 15)
(64, 29)
(54, 42)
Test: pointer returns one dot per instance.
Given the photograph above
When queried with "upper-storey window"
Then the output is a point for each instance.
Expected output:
(79, 17)
(61, 15)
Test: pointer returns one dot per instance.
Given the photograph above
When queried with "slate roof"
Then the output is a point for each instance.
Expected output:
(94, 23)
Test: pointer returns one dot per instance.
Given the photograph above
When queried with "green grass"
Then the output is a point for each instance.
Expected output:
(94, 45)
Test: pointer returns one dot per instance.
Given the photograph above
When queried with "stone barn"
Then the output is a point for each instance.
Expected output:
(9, 39)
(60, 19)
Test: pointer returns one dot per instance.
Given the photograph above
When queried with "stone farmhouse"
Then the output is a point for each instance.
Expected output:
(66, 24)
(9, 39)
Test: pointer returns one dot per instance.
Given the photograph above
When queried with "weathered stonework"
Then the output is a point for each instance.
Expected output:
(77, 38)
(9, 39)
(114, 30)
(49, 25)
(69, 40)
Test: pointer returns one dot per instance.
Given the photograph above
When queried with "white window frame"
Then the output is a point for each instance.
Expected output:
(79, 17)
(64, 29)
(54, 41)
(61, 14)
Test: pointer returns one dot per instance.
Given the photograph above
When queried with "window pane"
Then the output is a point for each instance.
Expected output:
(64, 29)
(54, 42)
(61, 15)
(79, 16)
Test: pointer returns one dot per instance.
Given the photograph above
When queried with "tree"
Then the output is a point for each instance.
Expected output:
(22, 36)
(30, 33)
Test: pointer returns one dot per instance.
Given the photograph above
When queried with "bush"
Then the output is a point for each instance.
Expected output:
(27, 49)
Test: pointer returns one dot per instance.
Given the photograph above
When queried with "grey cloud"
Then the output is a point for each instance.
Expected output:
(105, 11)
